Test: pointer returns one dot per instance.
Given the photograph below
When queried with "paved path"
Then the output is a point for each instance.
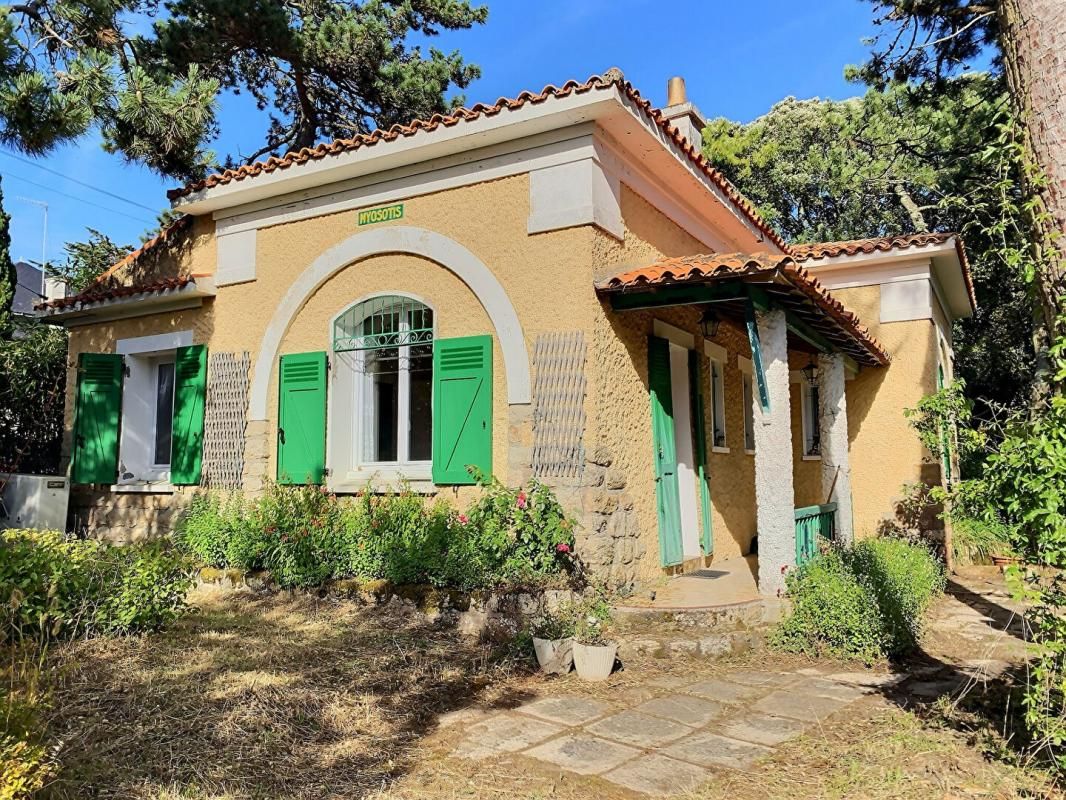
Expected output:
(668, 735)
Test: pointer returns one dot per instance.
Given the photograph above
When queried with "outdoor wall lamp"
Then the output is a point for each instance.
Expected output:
(810, 372)
(709, 324)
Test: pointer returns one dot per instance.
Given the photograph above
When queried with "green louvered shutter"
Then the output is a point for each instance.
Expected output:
(190, 387)
(98, 411)
(302, 418)
(667, 494)
(700, 434)
(462, 408)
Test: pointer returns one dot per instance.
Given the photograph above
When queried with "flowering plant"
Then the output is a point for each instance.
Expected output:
(593, 620)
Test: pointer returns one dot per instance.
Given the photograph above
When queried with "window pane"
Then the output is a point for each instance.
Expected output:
(381, 398)
(749, 414)
(164, 413)
(420, 427)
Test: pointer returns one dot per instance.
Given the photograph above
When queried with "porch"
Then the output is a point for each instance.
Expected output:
(796, 347)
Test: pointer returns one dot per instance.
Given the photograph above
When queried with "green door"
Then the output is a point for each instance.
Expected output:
(699, 434)
(665, 452)
(97, 413)
(462, 408)
(302, 418)
(945, 439)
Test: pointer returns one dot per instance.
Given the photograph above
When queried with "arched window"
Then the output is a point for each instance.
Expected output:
(382, 406)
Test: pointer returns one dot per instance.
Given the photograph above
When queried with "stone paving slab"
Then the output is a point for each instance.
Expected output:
(760, 678)
(869, 680)
(726, 691)
(565, 710)
(834, 690)
(712, 750)
(583, 754)
(688, 710)
(659, 776)
(762, 728)
(638, 729)
(798, 705)
(506, 733)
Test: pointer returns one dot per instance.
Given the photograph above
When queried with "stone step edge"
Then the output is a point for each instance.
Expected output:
(710, 646)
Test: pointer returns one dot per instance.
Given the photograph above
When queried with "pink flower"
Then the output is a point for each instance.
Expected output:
(522, 503)
(463, 519)
(562, 547)
(323, 489)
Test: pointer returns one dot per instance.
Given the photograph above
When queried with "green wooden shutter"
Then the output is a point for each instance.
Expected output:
(662, 424)
(700, 434)
(945, 438)
(302, 418)
(462, 408)
(187, 442)
(98, 412)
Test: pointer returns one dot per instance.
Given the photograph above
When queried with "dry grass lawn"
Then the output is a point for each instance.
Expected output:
(294, 697)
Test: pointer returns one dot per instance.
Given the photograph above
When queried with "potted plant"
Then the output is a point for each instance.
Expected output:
(553, 640)
(594, 652)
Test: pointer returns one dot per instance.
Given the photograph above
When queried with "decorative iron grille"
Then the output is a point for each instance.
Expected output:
(383, 322)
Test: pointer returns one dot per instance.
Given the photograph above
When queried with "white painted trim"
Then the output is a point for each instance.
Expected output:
(744, 365)
(572, 194)
(399, 239)
(716, 352)
(805, 414)
(904, 301)
(716, 449)
(152, 344)
(464, 169)
(682, 338)
(235, 256)
(848, 275)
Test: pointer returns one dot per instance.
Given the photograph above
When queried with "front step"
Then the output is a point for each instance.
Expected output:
(709, 632)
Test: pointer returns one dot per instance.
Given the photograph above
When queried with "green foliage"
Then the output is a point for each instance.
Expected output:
(558, 624)
(866, 603)
(85, 261)
(975, 541)
(26, 764)
(55, 587)
(147, 73)
(33, 378)
(897, 161)
(8, 274)
(305, 536)
(592, 619)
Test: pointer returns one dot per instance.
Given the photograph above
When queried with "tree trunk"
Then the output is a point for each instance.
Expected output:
(1033, 41)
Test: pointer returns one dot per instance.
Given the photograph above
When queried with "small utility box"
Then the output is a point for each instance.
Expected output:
(35, 501)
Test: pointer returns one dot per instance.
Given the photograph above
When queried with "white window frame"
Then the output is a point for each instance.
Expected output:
(347, 416)
(747, 396)
(716, 384)
(142, 355)
(809, 413)
(156, 364)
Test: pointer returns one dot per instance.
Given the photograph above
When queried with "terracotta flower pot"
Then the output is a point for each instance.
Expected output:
(555, 656)
(1005, 561)
(594, 662)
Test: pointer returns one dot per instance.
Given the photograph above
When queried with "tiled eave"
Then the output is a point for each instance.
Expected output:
(105, 304)
(778, 278)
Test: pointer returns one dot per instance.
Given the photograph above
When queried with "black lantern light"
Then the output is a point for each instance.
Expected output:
(810, 372)
(709, 324)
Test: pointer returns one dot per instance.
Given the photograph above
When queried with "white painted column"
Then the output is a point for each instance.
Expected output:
(774, 491)
(836, 464)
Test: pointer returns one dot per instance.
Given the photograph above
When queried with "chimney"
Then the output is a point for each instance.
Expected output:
(683, 114)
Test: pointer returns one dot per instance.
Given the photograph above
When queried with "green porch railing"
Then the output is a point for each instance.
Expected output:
(813, 522)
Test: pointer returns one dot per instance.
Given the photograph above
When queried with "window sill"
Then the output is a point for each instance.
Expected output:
(717, 449)
(809, 457)
(749, 452)
(380, 485)
(142, 487)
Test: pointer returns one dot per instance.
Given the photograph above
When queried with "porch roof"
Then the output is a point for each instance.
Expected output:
(732, 280)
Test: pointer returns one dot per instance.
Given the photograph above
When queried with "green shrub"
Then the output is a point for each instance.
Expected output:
(905, 579)
(306, 535)
(833, 613)
(866, 602)
(25, 762)
(53, 586)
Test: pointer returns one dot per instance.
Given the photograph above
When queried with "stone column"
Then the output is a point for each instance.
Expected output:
(256, 457)
(774, 491)
(833, 421)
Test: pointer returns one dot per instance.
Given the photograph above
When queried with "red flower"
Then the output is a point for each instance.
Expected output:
(463, 519)
(522, 503)
(562, 547)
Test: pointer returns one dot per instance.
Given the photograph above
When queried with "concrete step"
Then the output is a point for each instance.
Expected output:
(707, 645)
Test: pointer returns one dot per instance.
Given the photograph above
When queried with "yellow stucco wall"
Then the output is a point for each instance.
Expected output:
(885, 451)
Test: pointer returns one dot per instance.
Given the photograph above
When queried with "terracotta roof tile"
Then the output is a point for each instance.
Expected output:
(885, 244)
(95, 294)
(608, 79)
(713, 267)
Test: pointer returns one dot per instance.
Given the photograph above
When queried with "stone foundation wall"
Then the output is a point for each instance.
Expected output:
(126, 517)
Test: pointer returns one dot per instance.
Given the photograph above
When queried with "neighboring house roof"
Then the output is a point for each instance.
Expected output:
(613, 78)
(887, 244)
(28, 289)
(779, 275)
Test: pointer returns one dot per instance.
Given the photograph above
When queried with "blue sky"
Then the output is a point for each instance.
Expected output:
(738, 58)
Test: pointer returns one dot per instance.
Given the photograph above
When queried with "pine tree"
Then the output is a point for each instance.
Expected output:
(148, 73)
(8, 274)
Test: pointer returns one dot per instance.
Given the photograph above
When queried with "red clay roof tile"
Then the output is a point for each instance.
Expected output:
(709, 268)
(99, 294)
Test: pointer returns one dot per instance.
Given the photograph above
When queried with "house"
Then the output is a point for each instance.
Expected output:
(555, 285)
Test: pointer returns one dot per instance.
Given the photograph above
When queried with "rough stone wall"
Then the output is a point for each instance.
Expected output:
(126, 517)
(774, 496)
(836, 462)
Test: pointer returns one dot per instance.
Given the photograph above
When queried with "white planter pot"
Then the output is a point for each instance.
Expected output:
(554, 655)
(594, 662)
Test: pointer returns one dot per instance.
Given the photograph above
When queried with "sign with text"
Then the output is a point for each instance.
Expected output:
(383, 214)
